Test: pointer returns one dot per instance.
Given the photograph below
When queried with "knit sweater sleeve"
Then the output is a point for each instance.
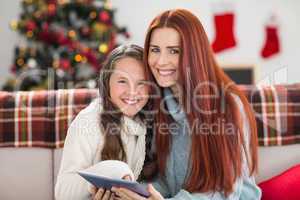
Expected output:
(78, 153)
(244, 188)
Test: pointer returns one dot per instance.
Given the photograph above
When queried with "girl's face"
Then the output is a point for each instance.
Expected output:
(163, 56)
(127, 84)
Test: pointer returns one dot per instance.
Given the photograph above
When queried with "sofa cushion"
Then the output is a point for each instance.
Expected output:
(276, 159)
(283, 186)
(26, 173)
(57, 153)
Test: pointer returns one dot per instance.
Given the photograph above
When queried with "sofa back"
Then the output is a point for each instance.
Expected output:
(41, 118)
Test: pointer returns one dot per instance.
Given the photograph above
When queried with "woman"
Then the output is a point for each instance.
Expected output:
(211, 149)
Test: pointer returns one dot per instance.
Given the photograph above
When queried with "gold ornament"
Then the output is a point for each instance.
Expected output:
(72, 34)
(29, 34)
(20, 61)
(103, 48)
(99, 28)
(14, 25)
(93, 15)
(78, 58)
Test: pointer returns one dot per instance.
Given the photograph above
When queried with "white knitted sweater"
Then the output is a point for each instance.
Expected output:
(83, 144)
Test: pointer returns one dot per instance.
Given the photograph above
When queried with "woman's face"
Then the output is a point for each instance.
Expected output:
(128, 90)
(163, 56)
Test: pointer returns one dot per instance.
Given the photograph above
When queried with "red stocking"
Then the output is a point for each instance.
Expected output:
(272, 45)
(224, 38)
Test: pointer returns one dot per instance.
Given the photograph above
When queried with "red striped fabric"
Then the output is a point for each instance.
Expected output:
(41, 118)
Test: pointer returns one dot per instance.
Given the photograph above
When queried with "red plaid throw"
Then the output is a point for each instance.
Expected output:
(41, 118)
(277, 112)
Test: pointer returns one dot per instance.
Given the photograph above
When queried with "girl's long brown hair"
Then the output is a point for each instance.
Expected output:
(215, 159)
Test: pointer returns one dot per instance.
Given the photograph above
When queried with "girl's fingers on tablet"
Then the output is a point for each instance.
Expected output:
(107, 195)
(99, 194)
(92, 189)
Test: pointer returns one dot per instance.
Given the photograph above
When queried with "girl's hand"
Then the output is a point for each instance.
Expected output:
(126, 194)
(101, 194)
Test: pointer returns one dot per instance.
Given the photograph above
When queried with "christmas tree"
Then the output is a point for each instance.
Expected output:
(66, 42)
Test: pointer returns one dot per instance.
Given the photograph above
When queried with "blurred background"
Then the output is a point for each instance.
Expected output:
(256, 42)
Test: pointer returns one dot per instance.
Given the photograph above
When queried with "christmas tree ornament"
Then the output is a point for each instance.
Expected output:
(93, 15)
(14, 25)
(99, 29)
(31, 63)
(51, 9)
(64, 64)
(30, 25)
(29, 34)
(104, 16)
(91, 84)
(72, 34)
(20, 62)
(103, 48)
(78, 58)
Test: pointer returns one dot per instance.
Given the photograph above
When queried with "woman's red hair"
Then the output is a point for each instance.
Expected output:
(215, 159)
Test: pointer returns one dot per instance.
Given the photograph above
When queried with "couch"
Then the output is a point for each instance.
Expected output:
(33, 126)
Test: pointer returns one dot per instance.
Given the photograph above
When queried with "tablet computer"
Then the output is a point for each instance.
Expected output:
(108, 183)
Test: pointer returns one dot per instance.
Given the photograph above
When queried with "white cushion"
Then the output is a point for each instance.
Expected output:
(57, 158)
(276, 159)
(26, 173)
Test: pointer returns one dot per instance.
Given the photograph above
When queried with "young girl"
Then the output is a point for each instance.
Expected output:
(211, 149)
(110, 128)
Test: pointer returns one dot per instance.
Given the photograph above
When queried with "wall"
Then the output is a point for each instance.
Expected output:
(251, 16)
(9, 10)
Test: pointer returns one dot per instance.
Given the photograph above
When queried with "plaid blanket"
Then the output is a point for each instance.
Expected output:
(41, 118)
(277, 112)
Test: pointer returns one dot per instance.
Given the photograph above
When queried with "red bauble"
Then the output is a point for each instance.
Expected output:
(51, 9)
(30, 25)
(61, 38)
(64, 64)
(104, 16)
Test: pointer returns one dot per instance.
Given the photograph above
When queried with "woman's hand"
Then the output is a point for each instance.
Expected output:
(126, 194)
